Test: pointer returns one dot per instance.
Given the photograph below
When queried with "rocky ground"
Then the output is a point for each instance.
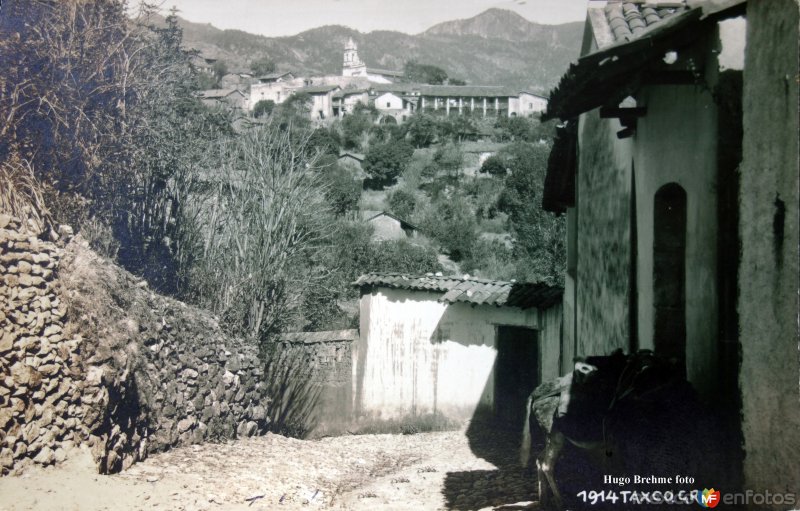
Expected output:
(474, 468)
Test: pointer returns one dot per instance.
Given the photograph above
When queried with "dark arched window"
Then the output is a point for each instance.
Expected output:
(669, 272)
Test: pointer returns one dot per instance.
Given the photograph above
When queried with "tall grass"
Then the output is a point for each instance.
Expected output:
(256, 219)
(21, 193)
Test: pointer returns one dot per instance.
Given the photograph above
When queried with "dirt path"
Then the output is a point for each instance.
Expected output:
(469, 469)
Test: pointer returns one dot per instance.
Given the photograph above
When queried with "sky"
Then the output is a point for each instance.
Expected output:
(289, 17)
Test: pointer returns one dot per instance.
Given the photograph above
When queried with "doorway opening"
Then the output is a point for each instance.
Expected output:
(516, 371)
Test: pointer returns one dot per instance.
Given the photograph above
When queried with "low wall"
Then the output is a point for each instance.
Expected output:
(91, 356)
(310, 377)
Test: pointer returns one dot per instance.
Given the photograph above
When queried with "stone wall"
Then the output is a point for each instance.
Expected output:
(42, 411)
(91, 356)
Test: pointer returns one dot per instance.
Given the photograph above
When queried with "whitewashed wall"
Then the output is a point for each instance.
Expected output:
(418, 356)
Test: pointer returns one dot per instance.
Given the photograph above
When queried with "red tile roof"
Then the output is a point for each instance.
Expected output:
(629, 20)
(469, 289)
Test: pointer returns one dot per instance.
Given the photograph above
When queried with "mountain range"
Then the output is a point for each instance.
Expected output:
(497, 47)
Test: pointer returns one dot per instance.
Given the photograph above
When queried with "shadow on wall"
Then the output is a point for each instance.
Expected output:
(123, 419)
(294, 409)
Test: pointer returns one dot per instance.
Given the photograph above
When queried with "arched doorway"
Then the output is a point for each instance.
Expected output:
(669, 272)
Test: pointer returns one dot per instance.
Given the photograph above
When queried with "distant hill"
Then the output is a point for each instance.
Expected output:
(494, 47)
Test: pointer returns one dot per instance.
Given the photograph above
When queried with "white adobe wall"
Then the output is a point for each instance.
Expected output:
(418, 356)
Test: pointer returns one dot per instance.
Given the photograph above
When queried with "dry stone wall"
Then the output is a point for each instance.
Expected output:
(91, 356)
(42, 414)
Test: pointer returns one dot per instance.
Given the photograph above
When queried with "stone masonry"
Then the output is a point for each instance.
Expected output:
(90, 356)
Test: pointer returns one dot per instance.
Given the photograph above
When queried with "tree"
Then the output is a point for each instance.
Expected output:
(494, 165)
(540, 235)
(449, 158)
(263, 108)
(452, 223)
(341, 189)
(220, 69)
(356, 125)
(402, 203)
(384, 162)
(108, 121)
(424, 73)
(262, 66)
(325, 141)
(422, 129)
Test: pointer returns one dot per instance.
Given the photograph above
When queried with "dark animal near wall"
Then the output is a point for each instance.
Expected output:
(614, 414)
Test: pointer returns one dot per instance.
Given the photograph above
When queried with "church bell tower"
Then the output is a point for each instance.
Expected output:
(352, 65)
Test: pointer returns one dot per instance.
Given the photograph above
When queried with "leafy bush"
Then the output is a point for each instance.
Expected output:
(342, 191)
(494, 165)
(384, 162)
(424, 73)
(262, 66)
(402, 203)
(263, 108)
(355, 126)
(325, 141)
(449, 158)
(452, 223)
(422, 130)
(539, 234)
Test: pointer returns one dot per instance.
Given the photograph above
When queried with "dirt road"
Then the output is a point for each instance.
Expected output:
(474, 468)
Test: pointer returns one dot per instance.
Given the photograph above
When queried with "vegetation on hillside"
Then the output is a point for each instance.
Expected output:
(488, 57)
(261, 225)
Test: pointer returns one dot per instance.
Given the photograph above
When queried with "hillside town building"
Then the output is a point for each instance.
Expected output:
(335, 96)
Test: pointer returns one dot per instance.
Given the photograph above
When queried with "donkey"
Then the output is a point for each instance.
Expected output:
(609, 407)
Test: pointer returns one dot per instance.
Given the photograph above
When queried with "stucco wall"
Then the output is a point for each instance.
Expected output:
(312, 385)
(603, 251)
(389, 102)
(768, 275)
(677, 142)
(387, 228)
(419, 356)
(529, 104)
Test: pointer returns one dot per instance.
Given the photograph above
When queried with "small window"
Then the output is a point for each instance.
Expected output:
(388, 104)
(530, 106)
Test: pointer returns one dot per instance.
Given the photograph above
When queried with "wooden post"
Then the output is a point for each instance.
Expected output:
(484, 107)
(460, 105)
(447, 106)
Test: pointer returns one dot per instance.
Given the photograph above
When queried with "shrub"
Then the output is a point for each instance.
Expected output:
(449, 158)
(402, 203)
(452, 223)
(384, 162)
(494, 165)
(342, 191)
(263, 108)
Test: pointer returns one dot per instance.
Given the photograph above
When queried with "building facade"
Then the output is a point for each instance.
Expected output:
(454, 346)
(675, 167)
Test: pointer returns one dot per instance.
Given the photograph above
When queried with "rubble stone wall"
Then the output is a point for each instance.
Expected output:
(42, 411)
(90, 356)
